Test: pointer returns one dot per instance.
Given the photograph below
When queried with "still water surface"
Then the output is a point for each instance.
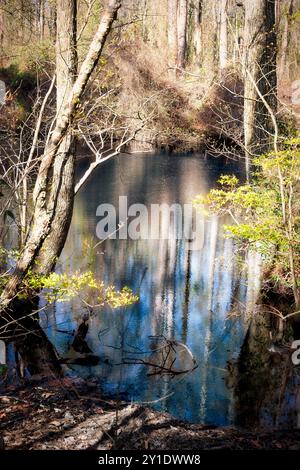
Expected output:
(198, 297)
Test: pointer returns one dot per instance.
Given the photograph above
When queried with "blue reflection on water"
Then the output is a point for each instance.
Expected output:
(186, 295)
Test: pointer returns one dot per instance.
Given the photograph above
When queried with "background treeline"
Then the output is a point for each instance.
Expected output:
(175, 53)
(202, 34)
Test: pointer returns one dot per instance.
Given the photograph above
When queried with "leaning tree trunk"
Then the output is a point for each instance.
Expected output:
(64, 166)
(47, 191)
(260, 75)
(37, 352)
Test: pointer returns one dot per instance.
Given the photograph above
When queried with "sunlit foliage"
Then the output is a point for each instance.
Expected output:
(65, 287)
(265, 212)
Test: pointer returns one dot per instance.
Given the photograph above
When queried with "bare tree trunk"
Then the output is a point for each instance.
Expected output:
(284, 49)
(41, 18)
(46, 193)
(31, 342)
(223, 41)
(64, 166)
(196, 40)
(52, 20)
(260, 64)
(172, 32)
(209, 35)
(1, 36)
(181, 32)
(38, 354)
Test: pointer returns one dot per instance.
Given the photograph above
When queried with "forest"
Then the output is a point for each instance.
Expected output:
(149, 227)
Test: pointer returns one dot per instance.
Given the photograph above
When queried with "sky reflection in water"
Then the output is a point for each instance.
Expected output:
(184, 295)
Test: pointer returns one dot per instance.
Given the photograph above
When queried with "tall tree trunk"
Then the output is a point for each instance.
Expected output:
(260, 74)
(172, 32)
(64, 165)
(38, 353)
(46, 191)
(36, 350)
(223, 41)
(181, 32)
(284, 49)
(40, 18)
(1, 37)
(196, 29)
(209, 35)
(52, 20)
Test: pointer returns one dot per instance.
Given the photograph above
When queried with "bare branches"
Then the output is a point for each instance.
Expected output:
(90, 5)
(44, 194)
(169, 357)
(103, 154)
(30, 157)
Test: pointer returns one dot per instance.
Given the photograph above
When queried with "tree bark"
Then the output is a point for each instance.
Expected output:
(223, 41)
(260, 64)
(284, 50)
(181, 32)
(64, 165)
(40, 18)
(46, 193)
(209, 35)
(172, 32)
(194, 39)
(32, 344)
(2, 20)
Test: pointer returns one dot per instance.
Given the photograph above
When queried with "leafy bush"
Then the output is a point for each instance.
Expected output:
(265, 212)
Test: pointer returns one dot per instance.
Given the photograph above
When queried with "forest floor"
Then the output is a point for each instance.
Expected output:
(68, 414)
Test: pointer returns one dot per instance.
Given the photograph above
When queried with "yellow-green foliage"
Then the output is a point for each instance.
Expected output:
(255, 211)
(266, 211)
(64, 287)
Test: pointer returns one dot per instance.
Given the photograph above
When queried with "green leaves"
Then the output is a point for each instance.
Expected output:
(265, 213)
(64, 287)
(229, 181)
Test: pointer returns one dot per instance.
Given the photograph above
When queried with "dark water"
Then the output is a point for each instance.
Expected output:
(197, 297)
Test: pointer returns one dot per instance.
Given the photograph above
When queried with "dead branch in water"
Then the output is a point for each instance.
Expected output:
(164, 358)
